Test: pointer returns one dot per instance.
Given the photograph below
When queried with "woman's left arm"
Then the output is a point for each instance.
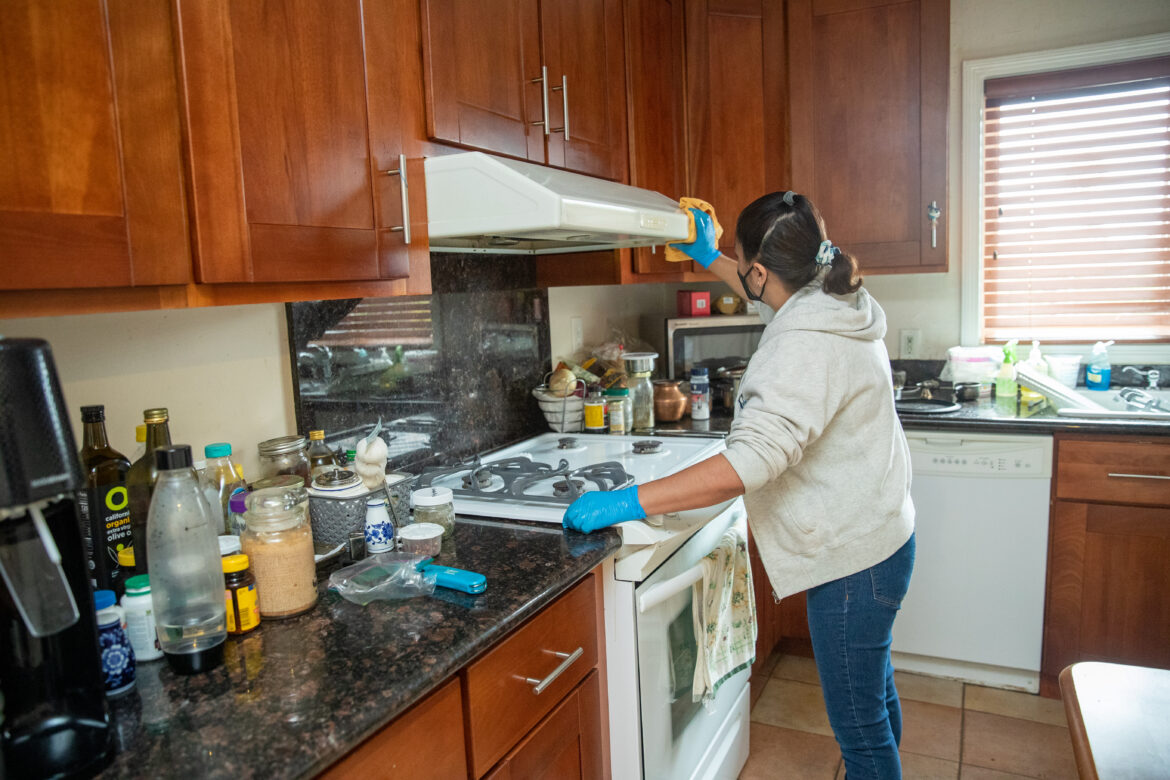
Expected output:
(706, 483)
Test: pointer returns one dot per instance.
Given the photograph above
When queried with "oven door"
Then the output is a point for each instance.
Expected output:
(682, 738)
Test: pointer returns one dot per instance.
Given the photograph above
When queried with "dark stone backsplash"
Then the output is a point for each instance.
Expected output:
(450, 374)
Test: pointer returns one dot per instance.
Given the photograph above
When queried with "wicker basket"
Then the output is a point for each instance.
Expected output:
(333, 519)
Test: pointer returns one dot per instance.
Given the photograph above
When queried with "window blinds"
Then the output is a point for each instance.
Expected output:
(1077, 205)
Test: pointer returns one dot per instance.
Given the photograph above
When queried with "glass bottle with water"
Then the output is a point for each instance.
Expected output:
(186, 576)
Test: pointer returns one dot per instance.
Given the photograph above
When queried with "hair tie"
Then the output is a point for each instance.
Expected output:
(790, 198)
(826, 253)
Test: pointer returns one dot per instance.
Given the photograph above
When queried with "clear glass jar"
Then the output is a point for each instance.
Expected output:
(321, 458)
(642, 401)
(435, 505)
(279, 544)
(284, 455)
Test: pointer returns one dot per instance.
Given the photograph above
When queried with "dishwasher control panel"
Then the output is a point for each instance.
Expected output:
(1006, 457)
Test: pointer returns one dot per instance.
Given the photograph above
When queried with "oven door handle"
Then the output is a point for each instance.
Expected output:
(670, 588)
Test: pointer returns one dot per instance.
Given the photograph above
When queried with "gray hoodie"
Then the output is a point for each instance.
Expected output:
(818, 445)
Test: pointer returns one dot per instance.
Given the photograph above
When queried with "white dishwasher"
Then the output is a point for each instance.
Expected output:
(975, 608)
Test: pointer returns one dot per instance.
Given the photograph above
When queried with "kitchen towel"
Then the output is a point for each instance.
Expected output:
(675, 255)
(724, 610)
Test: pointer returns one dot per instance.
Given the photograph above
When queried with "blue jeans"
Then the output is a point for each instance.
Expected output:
(850, 621)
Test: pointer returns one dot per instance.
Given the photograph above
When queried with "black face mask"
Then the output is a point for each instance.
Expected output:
(747, 290)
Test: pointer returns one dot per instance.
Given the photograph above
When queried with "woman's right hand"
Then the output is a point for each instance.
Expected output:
(704, 249)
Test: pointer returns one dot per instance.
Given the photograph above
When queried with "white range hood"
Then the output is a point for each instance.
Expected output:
(480, 203)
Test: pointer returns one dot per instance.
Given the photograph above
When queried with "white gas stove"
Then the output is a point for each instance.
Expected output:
(656, 731)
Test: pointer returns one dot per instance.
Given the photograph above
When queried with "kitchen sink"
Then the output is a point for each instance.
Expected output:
(1122, 403)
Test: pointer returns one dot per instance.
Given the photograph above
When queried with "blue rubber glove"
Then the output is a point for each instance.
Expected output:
(704, 249)
(598, 509)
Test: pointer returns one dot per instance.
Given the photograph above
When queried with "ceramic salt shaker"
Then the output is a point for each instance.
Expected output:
(379, 528)
(117, 654)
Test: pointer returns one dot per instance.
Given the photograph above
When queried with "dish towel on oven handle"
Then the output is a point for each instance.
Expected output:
(724, 608)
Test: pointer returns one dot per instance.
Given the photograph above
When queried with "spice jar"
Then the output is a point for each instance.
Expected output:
(284, 455)
(240, 595)
(435, 505)
(279, 545)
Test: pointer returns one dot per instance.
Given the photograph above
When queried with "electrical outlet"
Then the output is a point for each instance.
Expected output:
(577, 328)
(909, 343)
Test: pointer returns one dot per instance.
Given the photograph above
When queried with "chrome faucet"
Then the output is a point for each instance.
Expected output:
(1152, 376)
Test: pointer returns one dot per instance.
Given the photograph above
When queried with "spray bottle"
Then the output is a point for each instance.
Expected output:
(1097, 375)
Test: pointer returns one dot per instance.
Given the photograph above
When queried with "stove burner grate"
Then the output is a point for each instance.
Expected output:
(519, 476)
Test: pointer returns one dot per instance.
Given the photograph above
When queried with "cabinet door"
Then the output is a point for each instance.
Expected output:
(482, 71)
(737, 102)
(655, 61)
(294, 159)
(868, 85)
(91, 187)
(565, 745)
(584, 52)
(1109, 573)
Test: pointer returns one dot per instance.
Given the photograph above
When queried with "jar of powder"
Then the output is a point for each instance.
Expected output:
(278, 541)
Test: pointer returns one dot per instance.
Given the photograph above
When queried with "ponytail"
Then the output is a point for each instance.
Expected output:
(842, 277)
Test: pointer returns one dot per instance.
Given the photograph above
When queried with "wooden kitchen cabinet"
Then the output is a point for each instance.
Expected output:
(1109, 556)
(768, 617)
(484, 63)
(294, 113)
(737, 103)
(426, 741)
(868, 116)
(565, 746)
(91, 179)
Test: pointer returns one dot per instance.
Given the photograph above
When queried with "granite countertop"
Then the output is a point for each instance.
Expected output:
(986, 417)
(296, 695)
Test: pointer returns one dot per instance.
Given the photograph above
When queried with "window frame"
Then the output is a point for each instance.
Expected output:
(974, 74)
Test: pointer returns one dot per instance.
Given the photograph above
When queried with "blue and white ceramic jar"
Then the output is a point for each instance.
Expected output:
(117, 653)
(379, 528)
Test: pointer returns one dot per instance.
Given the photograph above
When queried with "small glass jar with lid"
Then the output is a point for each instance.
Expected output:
(278, 541)
(435, 505)
(284, 455)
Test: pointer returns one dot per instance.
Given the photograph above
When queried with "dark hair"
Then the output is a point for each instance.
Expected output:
(783, 231)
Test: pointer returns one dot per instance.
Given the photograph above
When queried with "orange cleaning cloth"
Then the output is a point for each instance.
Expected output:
(675, 255)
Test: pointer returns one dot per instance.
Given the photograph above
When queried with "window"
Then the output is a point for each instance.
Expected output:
(1076, 197)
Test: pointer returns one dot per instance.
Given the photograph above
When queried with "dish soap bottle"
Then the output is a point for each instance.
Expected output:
(1098, 373)
(1005, 380)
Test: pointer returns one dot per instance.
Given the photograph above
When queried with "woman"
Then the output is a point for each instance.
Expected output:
(818, 453)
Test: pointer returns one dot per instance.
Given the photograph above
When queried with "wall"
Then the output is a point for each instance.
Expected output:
(223, 372)
(996, 28)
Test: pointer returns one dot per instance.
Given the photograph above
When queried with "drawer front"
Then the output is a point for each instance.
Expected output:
(502, 702)
(1135, 472)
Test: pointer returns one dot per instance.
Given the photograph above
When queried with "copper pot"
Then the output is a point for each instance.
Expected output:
(670, 402)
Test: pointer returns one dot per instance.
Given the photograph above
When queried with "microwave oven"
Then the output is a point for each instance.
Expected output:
(712, 342)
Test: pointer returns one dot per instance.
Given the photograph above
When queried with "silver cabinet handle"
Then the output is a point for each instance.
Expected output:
(544, 96)
(540, 685)
(400, 172)
(1138, 476)
(933, 212)
(564, 90)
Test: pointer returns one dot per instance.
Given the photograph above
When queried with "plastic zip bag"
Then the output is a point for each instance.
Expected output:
(385, 576)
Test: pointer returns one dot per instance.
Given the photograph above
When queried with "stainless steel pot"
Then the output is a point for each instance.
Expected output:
(728, 379)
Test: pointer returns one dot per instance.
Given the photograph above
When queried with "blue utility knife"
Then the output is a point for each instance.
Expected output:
(455, 579)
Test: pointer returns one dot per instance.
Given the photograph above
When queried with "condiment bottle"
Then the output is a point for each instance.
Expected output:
(700, 394)
(220, 483)
(237, 506)
(379, 528)
(117, 654)
(186, 578)
(139, 442)
(104, 505)
(126, 563)
(140, 481)
(623, 393)
(279, 546)
(240, 595)
(138, 604)
(321, 458)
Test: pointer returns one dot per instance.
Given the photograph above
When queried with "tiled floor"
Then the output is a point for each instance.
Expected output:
(950, 730)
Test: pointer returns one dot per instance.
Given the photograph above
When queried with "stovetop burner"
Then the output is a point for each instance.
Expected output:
(568, 487)
(567, 443)
(481, 478)
(647, 447)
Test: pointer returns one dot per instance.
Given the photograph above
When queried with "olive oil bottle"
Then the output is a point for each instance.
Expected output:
(105, 513)
(140, 482)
